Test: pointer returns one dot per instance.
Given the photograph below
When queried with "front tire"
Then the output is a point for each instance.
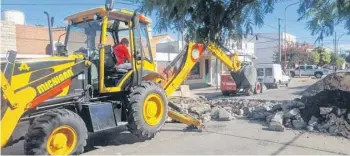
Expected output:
(147, 111)
(58, 132)
(318, 75)
(292, 74)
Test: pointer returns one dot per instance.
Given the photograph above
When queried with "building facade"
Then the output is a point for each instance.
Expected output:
(267, 44)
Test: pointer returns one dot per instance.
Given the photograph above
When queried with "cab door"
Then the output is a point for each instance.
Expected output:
(143, 58)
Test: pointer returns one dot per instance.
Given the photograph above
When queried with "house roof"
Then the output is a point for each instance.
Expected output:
(158, 38)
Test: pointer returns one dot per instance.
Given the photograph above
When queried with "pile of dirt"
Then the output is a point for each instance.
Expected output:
(331, 108)
(332, 81)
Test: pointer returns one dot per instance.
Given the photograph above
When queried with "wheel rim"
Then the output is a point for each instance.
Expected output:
(258, 88)
(62, 141)
(153, 109)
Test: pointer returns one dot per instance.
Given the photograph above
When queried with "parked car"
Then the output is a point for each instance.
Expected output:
(272, 75)
(309, 70)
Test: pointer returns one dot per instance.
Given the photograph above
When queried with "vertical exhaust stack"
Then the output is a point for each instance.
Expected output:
(50, 32)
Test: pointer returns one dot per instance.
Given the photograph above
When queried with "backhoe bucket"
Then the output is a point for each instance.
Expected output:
(245, 77)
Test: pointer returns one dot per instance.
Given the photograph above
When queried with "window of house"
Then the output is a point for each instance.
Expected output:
(268, 71)
(260, 71)
(195, 72)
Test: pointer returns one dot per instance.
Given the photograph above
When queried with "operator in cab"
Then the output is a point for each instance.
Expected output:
(122, 53)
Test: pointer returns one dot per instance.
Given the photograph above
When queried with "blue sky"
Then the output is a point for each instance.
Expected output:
(35, 15)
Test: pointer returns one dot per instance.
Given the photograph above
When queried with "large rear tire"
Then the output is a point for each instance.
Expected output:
(147, 111)
(58, 132)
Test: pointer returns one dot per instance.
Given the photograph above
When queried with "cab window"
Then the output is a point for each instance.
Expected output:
(268, 71)
(145, 42)
(260, 71)
(309, 67)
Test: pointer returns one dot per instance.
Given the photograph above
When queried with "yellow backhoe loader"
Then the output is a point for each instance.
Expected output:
(81, 90)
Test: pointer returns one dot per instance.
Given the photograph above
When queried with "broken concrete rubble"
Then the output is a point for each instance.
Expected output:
(299, 123)
(292, 113)
(220, 114)
(325, 110)
(200, 109)
(276, 123)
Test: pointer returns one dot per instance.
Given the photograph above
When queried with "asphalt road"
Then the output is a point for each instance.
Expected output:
(232, 137)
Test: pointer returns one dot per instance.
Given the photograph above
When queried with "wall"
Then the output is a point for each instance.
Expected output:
(245, 48)
(267, 45)
(35, 40)
(8, 36)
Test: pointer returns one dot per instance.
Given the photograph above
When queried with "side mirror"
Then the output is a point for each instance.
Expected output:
(109, 5)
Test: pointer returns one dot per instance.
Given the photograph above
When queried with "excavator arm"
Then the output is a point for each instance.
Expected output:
(183, 64)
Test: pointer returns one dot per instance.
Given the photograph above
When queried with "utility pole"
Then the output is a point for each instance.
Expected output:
(335, 43)
(279, 39)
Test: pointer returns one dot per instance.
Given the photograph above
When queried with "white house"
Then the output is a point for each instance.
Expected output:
(267, 44)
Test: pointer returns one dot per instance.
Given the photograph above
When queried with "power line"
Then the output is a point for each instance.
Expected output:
(271, 26)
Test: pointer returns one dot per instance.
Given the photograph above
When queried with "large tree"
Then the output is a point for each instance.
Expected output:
(337, 60)
(295, 55)
(204, 20)
(217, 19)
(324, 15)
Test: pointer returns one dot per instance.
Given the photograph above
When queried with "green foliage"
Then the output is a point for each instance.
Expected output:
(324, 15)
(337, 60)
(340, 61)
(321, 56)
(316, 57)
(208, 20)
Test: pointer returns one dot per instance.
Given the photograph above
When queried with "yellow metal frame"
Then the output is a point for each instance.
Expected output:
(145, 64)
(18, 105)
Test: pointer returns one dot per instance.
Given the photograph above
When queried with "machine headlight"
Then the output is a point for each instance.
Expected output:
(195, 54)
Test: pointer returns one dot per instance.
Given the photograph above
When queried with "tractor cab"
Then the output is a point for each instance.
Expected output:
(97, 32)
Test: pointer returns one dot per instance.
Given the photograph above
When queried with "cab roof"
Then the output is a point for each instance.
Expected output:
(120, 14)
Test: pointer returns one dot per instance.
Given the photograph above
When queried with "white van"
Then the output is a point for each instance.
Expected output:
(272, 75)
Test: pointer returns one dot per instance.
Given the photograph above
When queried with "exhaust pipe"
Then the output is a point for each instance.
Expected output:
(50, 32)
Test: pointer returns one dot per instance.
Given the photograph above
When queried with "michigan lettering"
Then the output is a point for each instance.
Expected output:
(54, 81)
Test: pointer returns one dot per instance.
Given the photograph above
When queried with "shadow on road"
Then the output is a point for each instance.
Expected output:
(114, 137)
